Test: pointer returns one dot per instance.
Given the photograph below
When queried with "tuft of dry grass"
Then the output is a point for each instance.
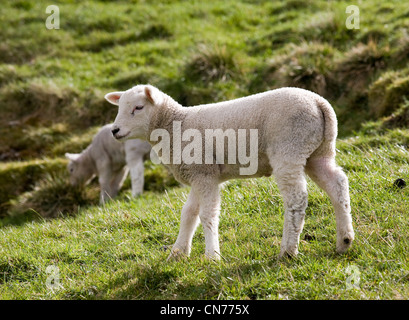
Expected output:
(388, 92)
(36, 101)
(402, 53)
(52, 197)
(307, 66)
(360, 64)
(212, 64)
(19, 177)
(398, 119)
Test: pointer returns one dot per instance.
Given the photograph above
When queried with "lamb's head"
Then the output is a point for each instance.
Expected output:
(80, 171)
(136, 107)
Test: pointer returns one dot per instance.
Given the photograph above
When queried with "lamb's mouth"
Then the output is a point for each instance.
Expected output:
(120, 137)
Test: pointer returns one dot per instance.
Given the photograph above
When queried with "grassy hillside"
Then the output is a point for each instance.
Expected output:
(52, 84)
(118, 251)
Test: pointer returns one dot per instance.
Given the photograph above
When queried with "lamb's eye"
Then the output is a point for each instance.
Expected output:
(135, 109)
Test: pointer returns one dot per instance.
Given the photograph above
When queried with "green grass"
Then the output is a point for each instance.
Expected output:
(52, 84)
(117, 251)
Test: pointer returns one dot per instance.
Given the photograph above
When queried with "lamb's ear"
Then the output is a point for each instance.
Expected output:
(113, 97)
(153, 95)
(72, 156)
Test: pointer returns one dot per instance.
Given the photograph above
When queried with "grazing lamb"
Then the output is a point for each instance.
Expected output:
(296, 133)
(111, 161)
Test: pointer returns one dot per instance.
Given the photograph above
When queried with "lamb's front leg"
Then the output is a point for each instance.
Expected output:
(118, 180)
(203, 202)
(188, 223)
(104, 181)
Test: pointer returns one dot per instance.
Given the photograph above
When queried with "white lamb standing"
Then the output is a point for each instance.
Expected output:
(111, 161)
(297, 130)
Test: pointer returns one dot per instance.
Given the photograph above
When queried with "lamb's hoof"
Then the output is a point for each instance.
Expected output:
(288, 254)
(175, 255)
(344, 244)
(213, 257)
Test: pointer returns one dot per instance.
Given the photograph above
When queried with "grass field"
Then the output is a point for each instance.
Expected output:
(56, 242)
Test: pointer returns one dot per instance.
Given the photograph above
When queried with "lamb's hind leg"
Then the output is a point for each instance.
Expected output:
(207, 191)
(324, 172)
(209, 217)
(293, 187)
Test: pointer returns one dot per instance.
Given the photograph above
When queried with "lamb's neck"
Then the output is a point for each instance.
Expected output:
(165, 116)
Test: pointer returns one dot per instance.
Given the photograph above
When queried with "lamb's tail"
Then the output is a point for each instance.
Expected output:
(327, 147)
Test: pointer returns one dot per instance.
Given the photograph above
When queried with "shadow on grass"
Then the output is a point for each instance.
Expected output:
(264, 276)
(159, 281)
(197, 278)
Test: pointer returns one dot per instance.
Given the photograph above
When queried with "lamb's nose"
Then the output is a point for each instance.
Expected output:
(115, 131)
